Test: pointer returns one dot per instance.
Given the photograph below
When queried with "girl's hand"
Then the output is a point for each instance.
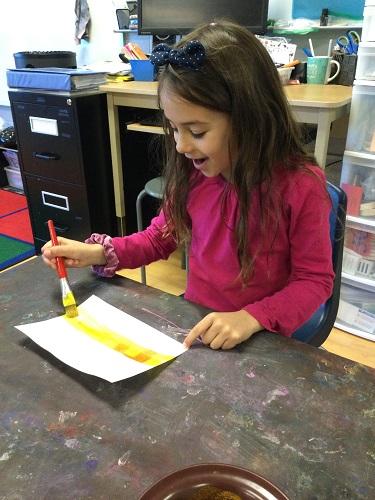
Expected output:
(75, 253)
(224, 329)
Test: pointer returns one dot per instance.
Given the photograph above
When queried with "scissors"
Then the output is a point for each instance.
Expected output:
(349, 42)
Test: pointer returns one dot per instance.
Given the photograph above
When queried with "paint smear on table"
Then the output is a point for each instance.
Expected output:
(103, 341)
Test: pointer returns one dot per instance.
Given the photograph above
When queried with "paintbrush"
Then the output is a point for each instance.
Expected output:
(68, 299)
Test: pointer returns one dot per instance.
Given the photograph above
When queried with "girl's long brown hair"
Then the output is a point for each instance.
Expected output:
(239, 78)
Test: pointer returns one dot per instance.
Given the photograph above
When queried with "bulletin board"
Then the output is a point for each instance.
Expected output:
(312, 10)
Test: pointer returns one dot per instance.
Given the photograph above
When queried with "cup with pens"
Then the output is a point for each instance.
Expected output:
(320, 68)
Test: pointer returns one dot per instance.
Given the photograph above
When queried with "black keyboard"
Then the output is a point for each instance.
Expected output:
(44, 52)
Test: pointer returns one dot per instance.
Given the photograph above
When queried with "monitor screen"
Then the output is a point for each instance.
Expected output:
(178, 17)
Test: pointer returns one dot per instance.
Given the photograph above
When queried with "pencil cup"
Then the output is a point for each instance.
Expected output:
(319, 69)
(143, 70)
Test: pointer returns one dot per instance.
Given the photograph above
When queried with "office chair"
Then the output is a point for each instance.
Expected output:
(316, 330)
(153, 188)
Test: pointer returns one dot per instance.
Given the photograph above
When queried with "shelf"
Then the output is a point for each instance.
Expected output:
(313, 29)
(137, 127)
(359, 281)
(361, 223)
(341, 27)
(357, 154)
(354, 331)
(126, 31)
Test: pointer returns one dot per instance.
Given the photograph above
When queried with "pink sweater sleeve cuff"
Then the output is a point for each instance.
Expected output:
(109, 269)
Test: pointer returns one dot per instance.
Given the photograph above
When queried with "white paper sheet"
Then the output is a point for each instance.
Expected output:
(103, 341)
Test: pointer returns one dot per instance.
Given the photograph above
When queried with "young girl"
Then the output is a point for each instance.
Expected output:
(241, 191)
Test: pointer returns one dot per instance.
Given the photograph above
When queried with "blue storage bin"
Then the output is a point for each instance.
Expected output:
(142, 70)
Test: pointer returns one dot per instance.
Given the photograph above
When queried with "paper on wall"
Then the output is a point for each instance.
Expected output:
(103, 341)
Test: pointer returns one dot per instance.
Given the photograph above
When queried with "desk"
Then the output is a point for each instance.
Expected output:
(299, 416)
(317, 104)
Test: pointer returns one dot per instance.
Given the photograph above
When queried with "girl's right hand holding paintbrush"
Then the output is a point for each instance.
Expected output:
(74, 253)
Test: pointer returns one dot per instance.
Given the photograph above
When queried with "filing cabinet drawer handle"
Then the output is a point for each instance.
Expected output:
(59, 229)
(46, 156)
(55, 200)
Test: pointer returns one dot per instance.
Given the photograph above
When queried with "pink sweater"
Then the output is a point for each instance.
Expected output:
(289, 284)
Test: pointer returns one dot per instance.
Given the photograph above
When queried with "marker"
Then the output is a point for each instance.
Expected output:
(307, 52)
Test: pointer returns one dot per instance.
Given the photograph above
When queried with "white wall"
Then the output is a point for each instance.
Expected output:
(280, 9)
(50, 25)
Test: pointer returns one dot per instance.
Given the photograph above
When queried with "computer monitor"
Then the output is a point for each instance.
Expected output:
(178, 17)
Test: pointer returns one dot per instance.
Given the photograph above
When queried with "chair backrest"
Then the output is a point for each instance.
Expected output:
(316, 330)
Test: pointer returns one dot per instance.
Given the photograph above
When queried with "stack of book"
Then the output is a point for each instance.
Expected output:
(134, 51)
(55, 79)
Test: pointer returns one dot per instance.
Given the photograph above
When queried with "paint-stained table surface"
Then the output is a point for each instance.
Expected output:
(299, 416)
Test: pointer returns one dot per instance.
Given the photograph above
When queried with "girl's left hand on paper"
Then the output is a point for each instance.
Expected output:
(224, 329)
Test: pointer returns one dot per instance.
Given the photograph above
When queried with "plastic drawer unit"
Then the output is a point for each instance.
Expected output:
(361, 130)
(368, 30)
(358, 181)
(366, 63)
(357, 311)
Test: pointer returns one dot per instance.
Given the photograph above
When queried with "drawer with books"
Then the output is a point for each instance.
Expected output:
(359, 252)
(358, 181)
(356, 313)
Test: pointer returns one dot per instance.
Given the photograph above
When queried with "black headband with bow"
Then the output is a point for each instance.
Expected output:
(191, 56)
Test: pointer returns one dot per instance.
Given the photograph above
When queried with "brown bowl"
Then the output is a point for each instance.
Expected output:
(184, 483)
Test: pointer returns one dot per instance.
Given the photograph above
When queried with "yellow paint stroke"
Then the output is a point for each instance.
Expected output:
(90, 326)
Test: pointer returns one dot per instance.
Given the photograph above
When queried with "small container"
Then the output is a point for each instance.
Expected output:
(366, 267)
(324, 18)
(12, 157)
(143, 70)
(284, 74)
(348, 63)
(350, 260)
(14, 177)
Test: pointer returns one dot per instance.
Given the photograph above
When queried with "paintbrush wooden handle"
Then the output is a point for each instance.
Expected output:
(59, 260)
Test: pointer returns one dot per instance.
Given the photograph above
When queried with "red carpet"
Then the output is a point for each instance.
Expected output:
(16, 237)
(17, 225)
(11, 202)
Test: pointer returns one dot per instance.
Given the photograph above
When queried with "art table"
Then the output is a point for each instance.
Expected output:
(299, 416)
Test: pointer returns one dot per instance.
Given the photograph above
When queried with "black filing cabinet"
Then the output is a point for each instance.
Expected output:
(65, 162)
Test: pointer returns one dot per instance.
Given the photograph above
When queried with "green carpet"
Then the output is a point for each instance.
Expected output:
(13, 251)
(16, 238)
